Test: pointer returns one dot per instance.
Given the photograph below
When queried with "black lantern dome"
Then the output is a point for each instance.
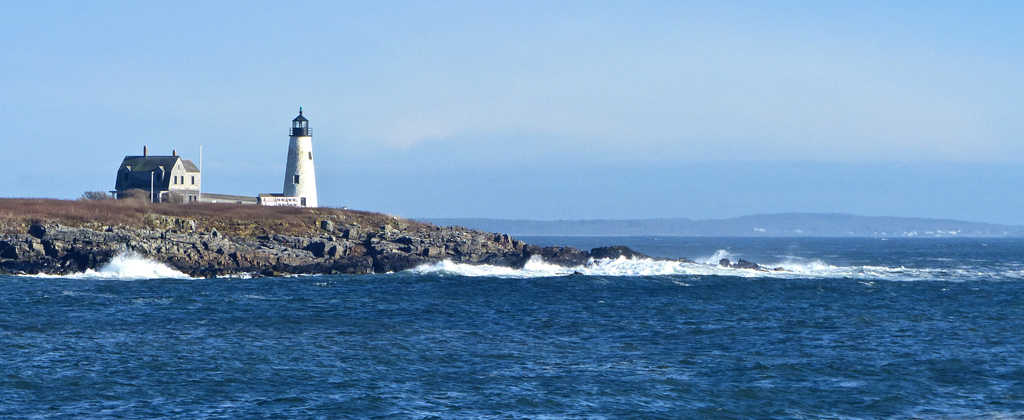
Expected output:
(300, 125)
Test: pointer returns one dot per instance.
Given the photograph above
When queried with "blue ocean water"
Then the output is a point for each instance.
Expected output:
(853, 329)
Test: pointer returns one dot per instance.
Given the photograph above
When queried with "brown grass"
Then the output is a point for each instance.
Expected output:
(235, 220)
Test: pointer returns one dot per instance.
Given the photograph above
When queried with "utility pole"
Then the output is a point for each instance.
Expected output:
(200, 173)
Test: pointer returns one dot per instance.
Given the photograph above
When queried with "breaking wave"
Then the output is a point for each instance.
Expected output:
(716, 257)
(622, 266)
(126, 266)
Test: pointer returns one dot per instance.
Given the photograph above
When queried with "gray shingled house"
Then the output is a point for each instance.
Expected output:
(166, 178)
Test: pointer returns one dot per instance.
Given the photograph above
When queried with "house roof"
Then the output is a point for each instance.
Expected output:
(141, 166)
(150, 163)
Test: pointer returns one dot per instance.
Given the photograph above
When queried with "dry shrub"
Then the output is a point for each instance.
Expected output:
(96, 195)
(243, 220)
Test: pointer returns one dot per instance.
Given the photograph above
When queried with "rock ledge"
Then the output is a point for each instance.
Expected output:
(55, 249)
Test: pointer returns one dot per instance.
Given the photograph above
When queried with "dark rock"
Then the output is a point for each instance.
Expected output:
(319, 249)
(396, 261)
(327, 225)
(433, 251)
(10, 253)
(38, 231)
(353, 233)
(724, 262)
(514, 260)
(747, 265)
(563, 256)
(354, 265)
(613, 252)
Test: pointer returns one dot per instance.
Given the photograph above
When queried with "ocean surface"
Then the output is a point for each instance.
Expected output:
(852, 329)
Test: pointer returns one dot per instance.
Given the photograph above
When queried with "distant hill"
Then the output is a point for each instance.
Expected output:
(764, 225)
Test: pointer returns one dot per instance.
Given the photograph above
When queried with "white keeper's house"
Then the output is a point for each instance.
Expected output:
(164, 178)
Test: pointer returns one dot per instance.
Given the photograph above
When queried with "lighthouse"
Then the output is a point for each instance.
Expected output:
(299, 177)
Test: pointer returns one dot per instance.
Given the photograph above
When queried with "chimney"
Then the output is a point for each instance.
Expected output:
(144, 151)
(174, 153)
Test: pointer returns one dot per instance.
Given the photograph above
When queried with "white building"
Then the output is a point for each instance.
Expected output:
(163, 178)
(299, 176)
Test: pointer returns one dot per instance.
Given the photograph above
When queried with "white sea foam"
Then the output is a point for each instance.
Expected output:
(790, 269)
(716, 257)
(535, 267)
(127, 266)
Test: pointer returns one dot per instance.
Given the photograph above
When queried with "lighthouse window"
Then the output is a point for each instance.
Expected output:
(296, 179)
(310, 155)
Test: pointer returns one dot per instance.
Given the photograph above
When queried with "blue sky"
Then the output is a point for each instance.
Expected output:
(538, 110)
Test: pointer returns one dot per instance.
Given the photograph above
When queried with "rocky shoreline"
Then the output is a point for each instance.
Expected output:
(178, 242)
(57, 249)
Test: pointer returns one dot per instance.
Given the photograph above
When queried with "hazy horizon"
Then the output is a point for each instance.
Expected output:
(700, 220)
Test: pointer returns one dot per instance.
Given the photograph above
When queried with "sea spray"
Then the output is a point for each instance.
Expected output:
(718, 256)
(127, 266)
(635, 267)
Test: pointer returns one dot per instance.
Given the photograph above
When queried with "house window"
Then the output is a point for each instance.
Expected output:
(303, 200)
(193, 180)
(310, 155)
(295, 179)
(175, 180)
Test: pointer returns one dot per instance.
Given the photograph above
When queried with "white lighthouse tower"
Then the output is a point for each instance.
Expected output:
(299, 177)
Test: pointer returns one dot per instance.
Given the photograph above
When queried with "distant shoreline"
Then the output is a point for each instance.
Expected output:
(825, 225)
